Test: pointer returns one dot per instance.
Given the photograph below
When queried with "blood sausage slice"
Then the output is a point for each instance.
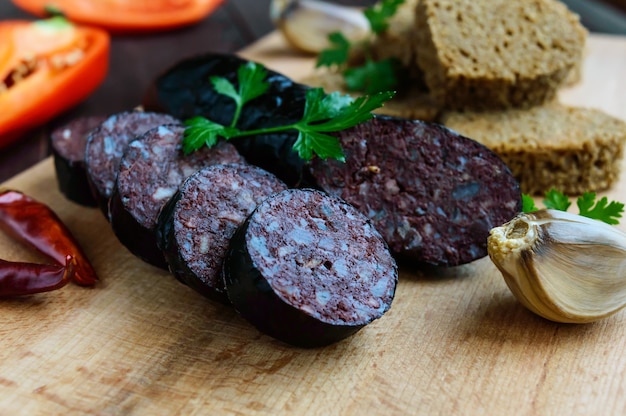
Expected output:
(67, 144)
(196, 225)
(107, 143)
(150, 172)
(432, 193)
(309, 269)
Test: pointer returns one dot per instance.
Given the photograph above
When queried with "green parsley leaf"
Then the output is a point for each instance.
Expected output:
(201, 132)
(322, 114)
(587, 206)
(373, 77)
(556, 200)
(528, 204)
(321, 106)
(225, 87)
(379, 14)
(252, 84)
(602, 210)
(336, 55)
(344, 115)
(330, 113)
(324, 145)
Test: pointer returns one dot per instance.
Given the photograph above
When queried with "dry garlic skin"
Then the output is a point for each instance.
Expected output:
(562, 266)
(306, 24)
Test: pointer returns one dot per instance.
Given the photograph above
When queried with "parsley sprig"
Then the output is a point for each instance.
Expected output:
(602, 210)
(373, 76)
(323, 114)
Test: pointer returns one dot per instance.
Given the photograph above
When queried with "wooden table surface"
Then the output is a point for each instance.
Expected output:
(455, 342)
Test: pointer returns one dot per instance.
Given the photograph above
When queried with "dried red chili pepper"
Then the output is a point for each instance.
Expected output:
(17, 278)
(35, 224)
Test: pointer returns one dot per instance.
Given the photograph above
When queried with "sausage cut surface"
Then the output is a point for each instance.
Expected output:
(197, 223)
(106, 145)
(67, 143)
(432, 193)
(150, 172)
(309, 269)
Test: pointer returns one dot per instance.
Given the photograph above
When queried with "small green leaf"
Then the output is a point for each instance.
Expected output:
(321, 106)
(556, 200)
(252, 83)
(528, 204)
(201, 132)
(587, 206)
(225, 87)
(358, 111)
(323, 145)
(379, 14)
(373, 77)
(602, 210)
(337, 54)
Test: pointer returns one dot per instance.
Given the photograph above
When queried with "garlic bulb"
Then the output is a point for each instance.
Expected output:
(562, 266)
(306, 24)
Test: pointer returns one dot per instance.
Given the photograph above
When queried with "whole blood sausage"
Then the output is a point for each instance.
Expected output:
(106, 144)
(196, 225)
(309, 269)
(185, 90)
(432, 193)
(67, 144)
(150, 172)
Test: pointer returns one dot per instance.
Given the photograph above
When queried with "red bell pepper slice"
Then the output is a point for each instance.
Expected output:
(46, 68)
(126, 15)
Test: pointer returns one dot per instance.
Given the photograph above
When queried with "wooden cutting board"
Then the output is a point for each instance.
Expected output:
(454, 342)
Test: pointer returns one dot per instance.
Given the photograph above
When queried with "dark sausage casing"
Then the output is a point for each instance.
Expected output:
(196, 225)
(150, 172)
(432, 193)
(309, 269)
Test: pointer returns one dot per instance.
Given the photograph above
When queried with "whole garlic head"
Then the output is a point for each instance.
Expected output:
(562, 266)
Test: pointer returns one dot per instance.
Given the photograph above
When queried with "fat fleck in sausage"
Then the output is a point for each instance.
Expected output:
(432, 193)
(67, 145)
(196, 225)
(309, 269)
(106, 144)
(150, 172)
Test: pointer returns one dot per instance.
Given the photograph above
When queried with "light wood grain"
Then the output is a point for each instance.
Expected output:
(454, 342)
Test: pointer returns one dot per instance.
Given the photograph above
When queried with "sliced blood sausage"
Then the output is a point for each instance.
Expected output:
(150, 172)
(67, 144)
(106, 144)
(432, 193)
(185, 90)
(196, 225)
(309, 269)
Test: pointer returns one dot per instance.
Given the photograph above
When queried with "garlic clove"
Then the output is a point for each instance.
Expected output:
(306, 24)
(562, 266)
